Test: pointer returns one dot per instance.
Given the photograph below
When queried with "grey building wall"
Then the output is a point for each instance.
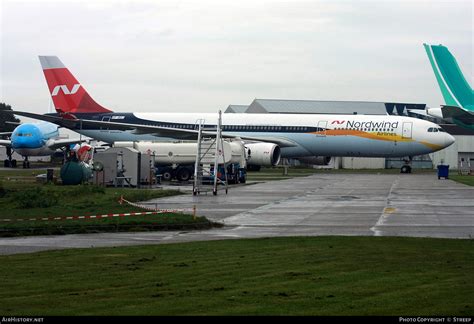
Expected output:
(462, 148)
(363, 163)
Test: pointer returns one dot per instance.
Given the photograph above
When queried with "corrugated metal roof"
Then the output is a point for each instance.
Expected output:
(236, 109)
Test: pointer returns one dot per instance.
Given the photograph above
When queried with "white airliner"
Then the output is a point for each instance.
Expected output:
(291, 135)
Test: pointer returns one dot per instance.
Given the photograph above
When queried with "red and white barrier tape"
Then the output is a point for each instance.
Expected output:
(81, 217)
(182, 210)
(153, 211)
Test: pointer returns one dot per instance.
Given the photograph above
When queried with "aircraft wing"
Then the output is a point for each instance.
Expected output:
(464, 116)
(178, 133)
(282, 142)
(76, 124)
(6, 133)
(6, 143)
(56, 144)
(457, 112)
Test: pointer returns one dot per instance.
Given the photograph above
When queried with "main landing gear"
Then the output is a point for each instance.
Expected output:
(9, 162)
(406, 168)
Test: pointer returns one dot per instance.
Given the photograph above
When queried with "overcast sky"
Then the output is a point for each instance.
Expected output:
(201, 56)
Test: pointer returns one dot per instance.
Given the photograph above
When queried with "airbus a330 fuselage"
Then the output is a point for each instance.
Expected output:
(327, 135)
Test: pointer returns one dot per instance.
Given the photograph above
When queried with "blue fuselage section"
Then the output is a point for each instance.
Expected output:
(31, 138)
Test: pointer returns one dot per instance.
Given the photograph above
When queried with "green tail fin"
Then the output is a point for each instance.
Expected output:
(454, 87)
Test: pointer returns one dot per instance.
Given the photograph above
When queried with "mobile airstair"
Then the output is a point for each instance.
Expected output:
(210, 168)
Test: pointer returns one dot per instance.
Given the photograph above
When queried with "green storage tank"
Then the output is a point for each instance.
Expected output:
(73, 173)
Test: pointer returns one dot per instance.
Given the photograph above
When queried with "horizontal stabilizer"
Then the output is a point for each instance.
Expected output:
(459, 116)
(454, 111)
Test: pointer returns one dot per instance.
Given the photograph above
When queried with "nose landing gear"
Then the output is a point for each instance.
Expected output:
(26, 163)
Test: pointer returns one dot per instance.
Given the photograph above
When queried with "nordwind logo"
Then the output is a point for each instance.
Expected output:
(65, 90)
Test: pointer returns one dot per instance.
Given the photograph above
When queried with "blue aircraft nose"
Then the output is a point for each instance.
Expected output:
(26, 136)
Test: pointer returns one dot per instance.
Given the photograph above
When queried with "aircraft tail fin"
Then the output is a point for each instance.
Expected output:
(68, 95)
(455, 89)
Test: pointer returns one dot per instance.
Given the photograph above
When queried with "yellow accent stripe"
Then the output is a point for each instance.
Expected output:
(434, 147)
(379, 136)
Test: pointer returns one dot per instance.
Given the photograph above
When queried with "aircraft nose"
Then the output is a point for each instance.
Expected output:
(448, 139)
(25, 142)
(26, 136)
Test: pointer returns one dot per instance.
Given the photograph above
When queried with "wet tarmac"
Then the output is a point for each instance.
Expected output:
(416, 205)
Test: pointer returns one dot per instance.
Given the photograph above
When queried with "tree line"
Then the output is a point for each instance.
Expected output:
(5, 118)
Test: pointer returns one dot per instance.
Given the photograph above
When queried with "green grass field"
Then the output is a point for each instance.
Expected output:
(22, 198)
(280, 276)
(465, 179)
(153, 222)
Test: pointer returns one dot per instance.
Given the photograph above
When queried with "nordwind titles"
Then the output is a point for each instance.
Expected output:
(371, 125)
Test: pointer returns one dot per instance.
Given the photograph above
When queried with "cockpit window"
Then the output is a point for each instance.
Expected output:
(435, 130)
(25, 134)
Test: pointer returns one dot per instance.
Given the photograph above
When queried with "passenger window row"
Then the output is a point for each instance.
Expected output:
(368, 129)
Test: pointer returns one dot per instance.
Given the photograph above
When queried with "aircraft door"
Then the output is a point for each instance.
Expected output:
(407, 129)
(322, 124)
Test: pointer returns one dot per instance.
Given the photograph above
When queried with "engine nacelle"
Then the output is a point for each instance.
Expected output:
(263, 154)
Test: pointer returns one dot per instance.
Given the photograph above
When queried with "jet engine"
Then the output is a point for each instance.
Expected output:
(263, 154)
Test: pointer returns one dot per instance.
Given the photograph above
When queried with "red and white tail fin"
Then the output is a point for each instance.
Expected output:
(69, 96)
